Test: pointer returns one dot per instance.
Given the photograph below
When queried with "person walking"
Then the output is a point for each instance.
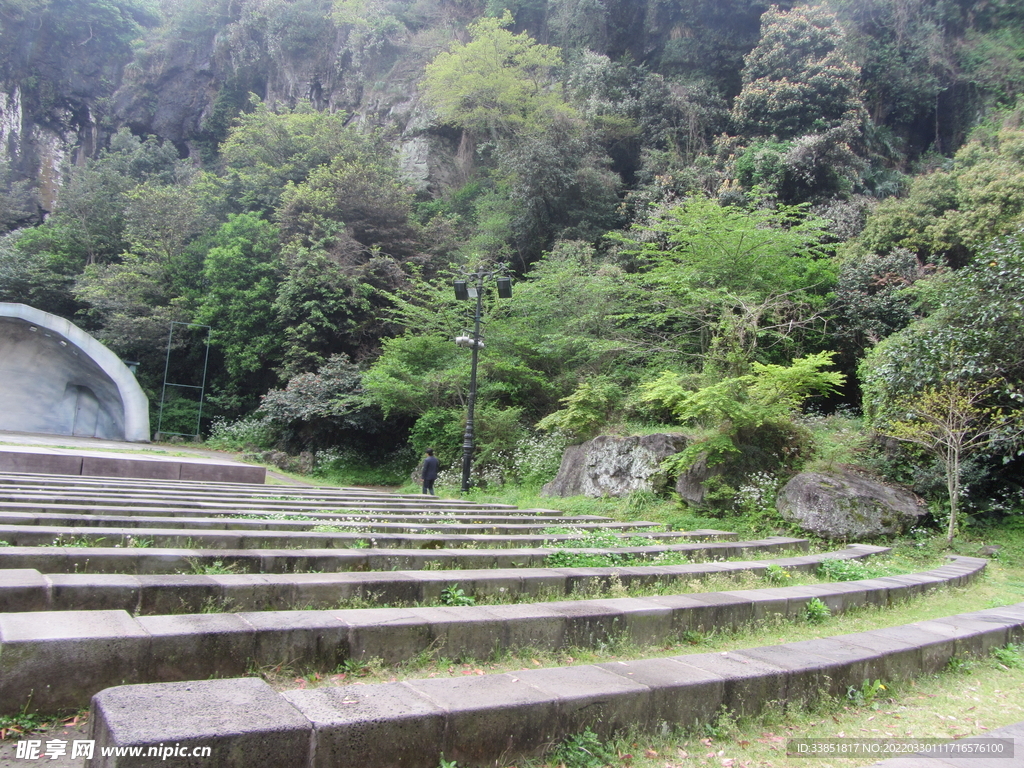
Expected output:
(430, 466)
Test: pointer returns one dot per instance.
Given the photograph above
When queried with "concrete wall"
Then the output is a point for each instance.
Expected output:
(57, 379)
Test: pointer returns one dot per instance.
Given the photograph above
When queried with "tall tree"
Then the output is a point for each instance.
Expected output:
(498, 84)
(954, 421)
(727, 285)
(797, 79)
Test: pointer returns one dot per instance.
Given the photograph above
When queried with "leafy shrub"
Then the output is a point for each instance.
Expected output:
(583, 750)
(847, 570)
(586, 410)
(455, 595)
(816, 612)
(246, 434)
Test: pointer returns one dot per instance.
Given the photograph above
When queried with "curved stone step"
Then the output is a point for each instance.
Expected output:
(43, 535)
(30, 590)
(172, 560)
(57, 660)
(478, 720)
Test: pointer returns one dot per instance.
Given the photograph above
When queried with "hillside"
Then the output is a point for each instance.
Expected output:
(702, 204)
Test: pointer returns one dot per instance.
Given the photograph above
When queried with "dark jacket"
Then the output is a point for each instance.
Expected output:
(430, 465)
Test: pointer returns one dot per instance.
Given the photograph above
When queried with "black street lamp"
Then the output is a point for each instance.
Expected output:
(472, 287)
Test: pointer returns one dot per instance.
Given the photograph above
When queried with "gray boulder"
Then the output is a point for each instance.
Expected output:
(614, 466)
(844, 505)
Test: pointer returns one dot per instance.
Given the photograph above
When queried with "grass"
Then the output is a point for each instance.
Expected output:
(948, 705)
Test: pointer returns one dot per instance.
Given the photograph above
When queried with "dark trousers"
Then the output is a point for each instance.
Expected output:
(428, 486)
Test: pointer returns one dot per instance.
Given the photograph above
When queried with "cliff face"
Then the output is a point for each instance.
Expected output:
(72, 80)
(60, 63)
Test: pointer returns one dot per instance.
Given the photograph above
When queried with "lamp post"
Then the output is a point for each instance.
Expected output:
(472, 287)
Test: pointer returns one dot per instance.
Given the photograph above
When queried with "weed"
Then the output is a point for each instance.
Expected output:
(5, 543)
(583, 750)
(835, 569)
(216, 568)
(330, 528)
(76, 541)
(359, 544)
(447, 763)
(723, 726)
(1010, 656)
(455, 595)
(776, 574)
(865, 695)
(354, 667)
(21, 723)
(216, 605)
(959, 664)
(816, 612)
(694, 637)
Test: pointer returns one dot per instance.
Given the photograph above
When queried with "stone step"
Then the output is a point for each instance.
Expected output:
(177, 489)
(58, 462)
(320, 513)
(30, 590)
(48, 502)
(354, 524)
(161, 560)
(479, 720)
(43, 535)
(58, 660)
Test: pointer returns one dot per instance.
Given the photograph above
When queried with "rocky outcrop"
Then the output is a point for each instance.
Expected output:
(614, 466)
(690, 485)
(844, 505)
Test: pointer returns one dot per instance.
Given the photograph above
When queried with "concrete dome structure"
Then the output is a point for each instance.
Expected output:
(57, 379)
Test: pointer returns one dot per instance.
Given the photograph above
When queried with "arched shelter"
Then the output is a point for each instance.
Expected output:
(57, 379)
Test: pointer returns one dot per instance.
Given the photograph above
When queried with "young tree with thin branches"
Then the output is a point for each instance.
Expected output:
(955, 420)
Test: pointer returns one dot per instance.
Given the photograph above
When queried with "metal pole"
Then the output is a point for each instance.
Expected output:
(467, 442)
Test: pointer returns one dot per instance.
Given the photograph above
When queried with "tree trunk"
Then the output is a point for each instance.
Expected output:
(953, 487)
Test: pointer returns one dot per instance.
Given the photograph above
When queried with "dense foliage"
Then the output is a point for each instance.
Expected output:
(702, 204)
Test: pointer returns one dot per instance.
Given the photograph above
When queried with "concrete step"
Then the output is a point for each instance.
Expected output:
(59, 660)
(479, 720)
(43, 535)
(162, 560)
(356, 524)
(31, 590)
(48, 501)
(210, 490)
(85, 463)
(320, 513)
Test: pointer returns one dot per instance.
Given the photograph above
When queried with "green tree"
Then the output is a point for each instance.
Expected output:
(797, 79)
(737, 407)
(949, 214)
(323, 408)
(957, 338)
(497, 84)
(240, 278)
(727, 285)
(972, 333)
(953, 421)
(269, 149)
(31, 278)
